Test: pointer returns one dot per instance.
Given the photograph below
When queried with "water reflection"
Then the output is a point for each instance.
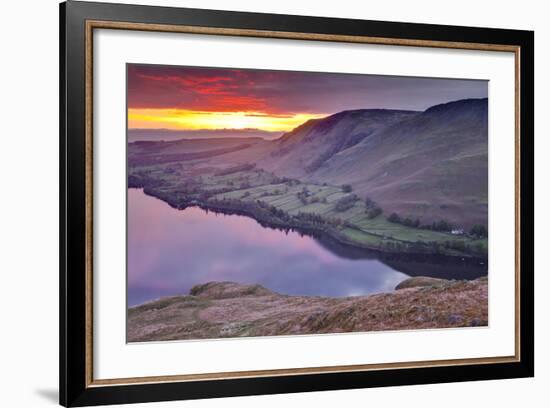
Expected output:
(169, 251)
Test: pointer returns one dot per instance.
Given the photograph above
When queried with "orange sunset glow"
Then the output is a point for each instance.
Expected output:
(192, 98)
(180, 119)
(189, 99)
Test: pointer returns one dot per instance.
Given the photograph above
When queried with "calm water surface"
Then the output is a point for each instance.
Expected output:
(170, 251)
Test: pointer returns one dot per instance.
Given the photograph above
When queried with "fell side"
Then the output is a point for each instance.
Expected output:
(391, 181)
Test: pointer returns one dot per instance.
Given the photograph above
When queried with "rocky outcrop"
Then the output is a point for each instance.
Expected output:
(228, 309)
(224, 290)
(420, 281)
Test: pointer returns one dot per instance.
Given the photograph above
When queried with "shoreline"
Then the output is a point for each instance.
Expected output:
(316, 232)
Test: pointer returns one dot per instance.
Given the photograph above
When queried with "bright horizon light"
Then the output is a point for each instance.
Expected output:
(180, 119)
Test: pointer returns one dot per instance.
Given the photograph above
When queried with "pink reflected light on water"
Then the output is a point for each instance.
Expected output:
(170, 250)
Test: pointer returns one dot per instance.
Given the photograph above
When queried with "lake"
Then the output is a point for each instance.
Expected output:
(170, 251)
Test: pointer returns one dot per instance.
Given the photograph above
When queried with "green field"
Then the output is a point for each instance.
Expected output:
(295, 197)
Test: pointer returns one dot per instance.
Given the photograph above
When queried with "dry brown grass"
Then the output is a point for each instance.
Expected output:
(226, 309)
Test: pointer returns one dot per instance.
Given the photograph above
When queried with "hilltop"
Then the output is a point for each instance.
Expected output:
(428, 165)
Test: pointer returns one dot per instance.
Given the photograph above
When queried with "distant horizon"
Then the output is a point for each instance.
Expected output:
(201, 99)
(163, 134)
(146, 134)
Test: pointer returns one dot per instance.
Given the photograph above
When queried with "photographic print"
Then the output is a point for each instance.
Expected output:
(322, 187)
(265, 203)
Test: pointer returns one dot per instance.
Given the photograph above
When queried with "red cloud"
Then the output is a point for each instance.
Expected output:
(193, 89)
(286, 92)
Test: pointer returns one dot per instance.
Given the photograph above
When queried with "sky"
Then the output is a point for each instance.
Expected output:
(193, 98)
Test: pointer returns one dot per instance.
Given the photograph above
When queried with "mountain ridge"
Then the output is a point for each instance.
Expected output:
(316, 141)
(425, 165)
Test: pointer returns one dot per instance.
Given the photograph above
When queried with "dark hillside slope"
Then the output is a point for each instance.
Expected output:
(307, 148)
(431, 165)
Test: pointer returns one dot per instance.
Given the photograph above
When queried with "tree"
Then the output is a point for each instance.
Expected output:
(345, 203)
(373, 209)
(479, 248)
(369, 202)
(373, 212)
(459, 245)
(346, 188)
(442, 225)
(394, 218)
(479, 231)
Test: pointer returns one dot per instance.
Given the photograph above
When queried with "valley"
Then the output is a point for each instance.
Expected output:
(391, 181)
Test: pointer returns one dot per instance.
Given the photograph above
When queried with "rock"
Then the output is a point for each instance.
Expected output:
(477, 322)
(233, 329)
(454, 319)
(420, 281)
(224, 290)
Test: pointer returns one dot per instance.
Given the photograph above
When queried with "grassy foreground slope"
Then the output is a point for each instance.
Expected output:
(226, 309)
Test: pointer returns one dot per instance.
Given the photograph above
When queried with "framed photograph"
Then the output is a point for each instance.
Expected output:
(257, 203)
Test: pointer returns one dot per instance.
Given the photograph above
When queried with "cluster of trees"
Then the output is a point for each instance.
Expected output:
(180, 194)
(272, 193)
(311, 218)
(464, 246)
(373, 209)
(278, 180)
(205, 195)
(140, 180)
(478, 231)
(396, 219)
(267, 213)
(290, 182)
(235, 169)
(251, 176)
(433, 247)
(441, 225)
(346, 202)
(303, 195)
(259, 209)
(417, 247)
(392, 246)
